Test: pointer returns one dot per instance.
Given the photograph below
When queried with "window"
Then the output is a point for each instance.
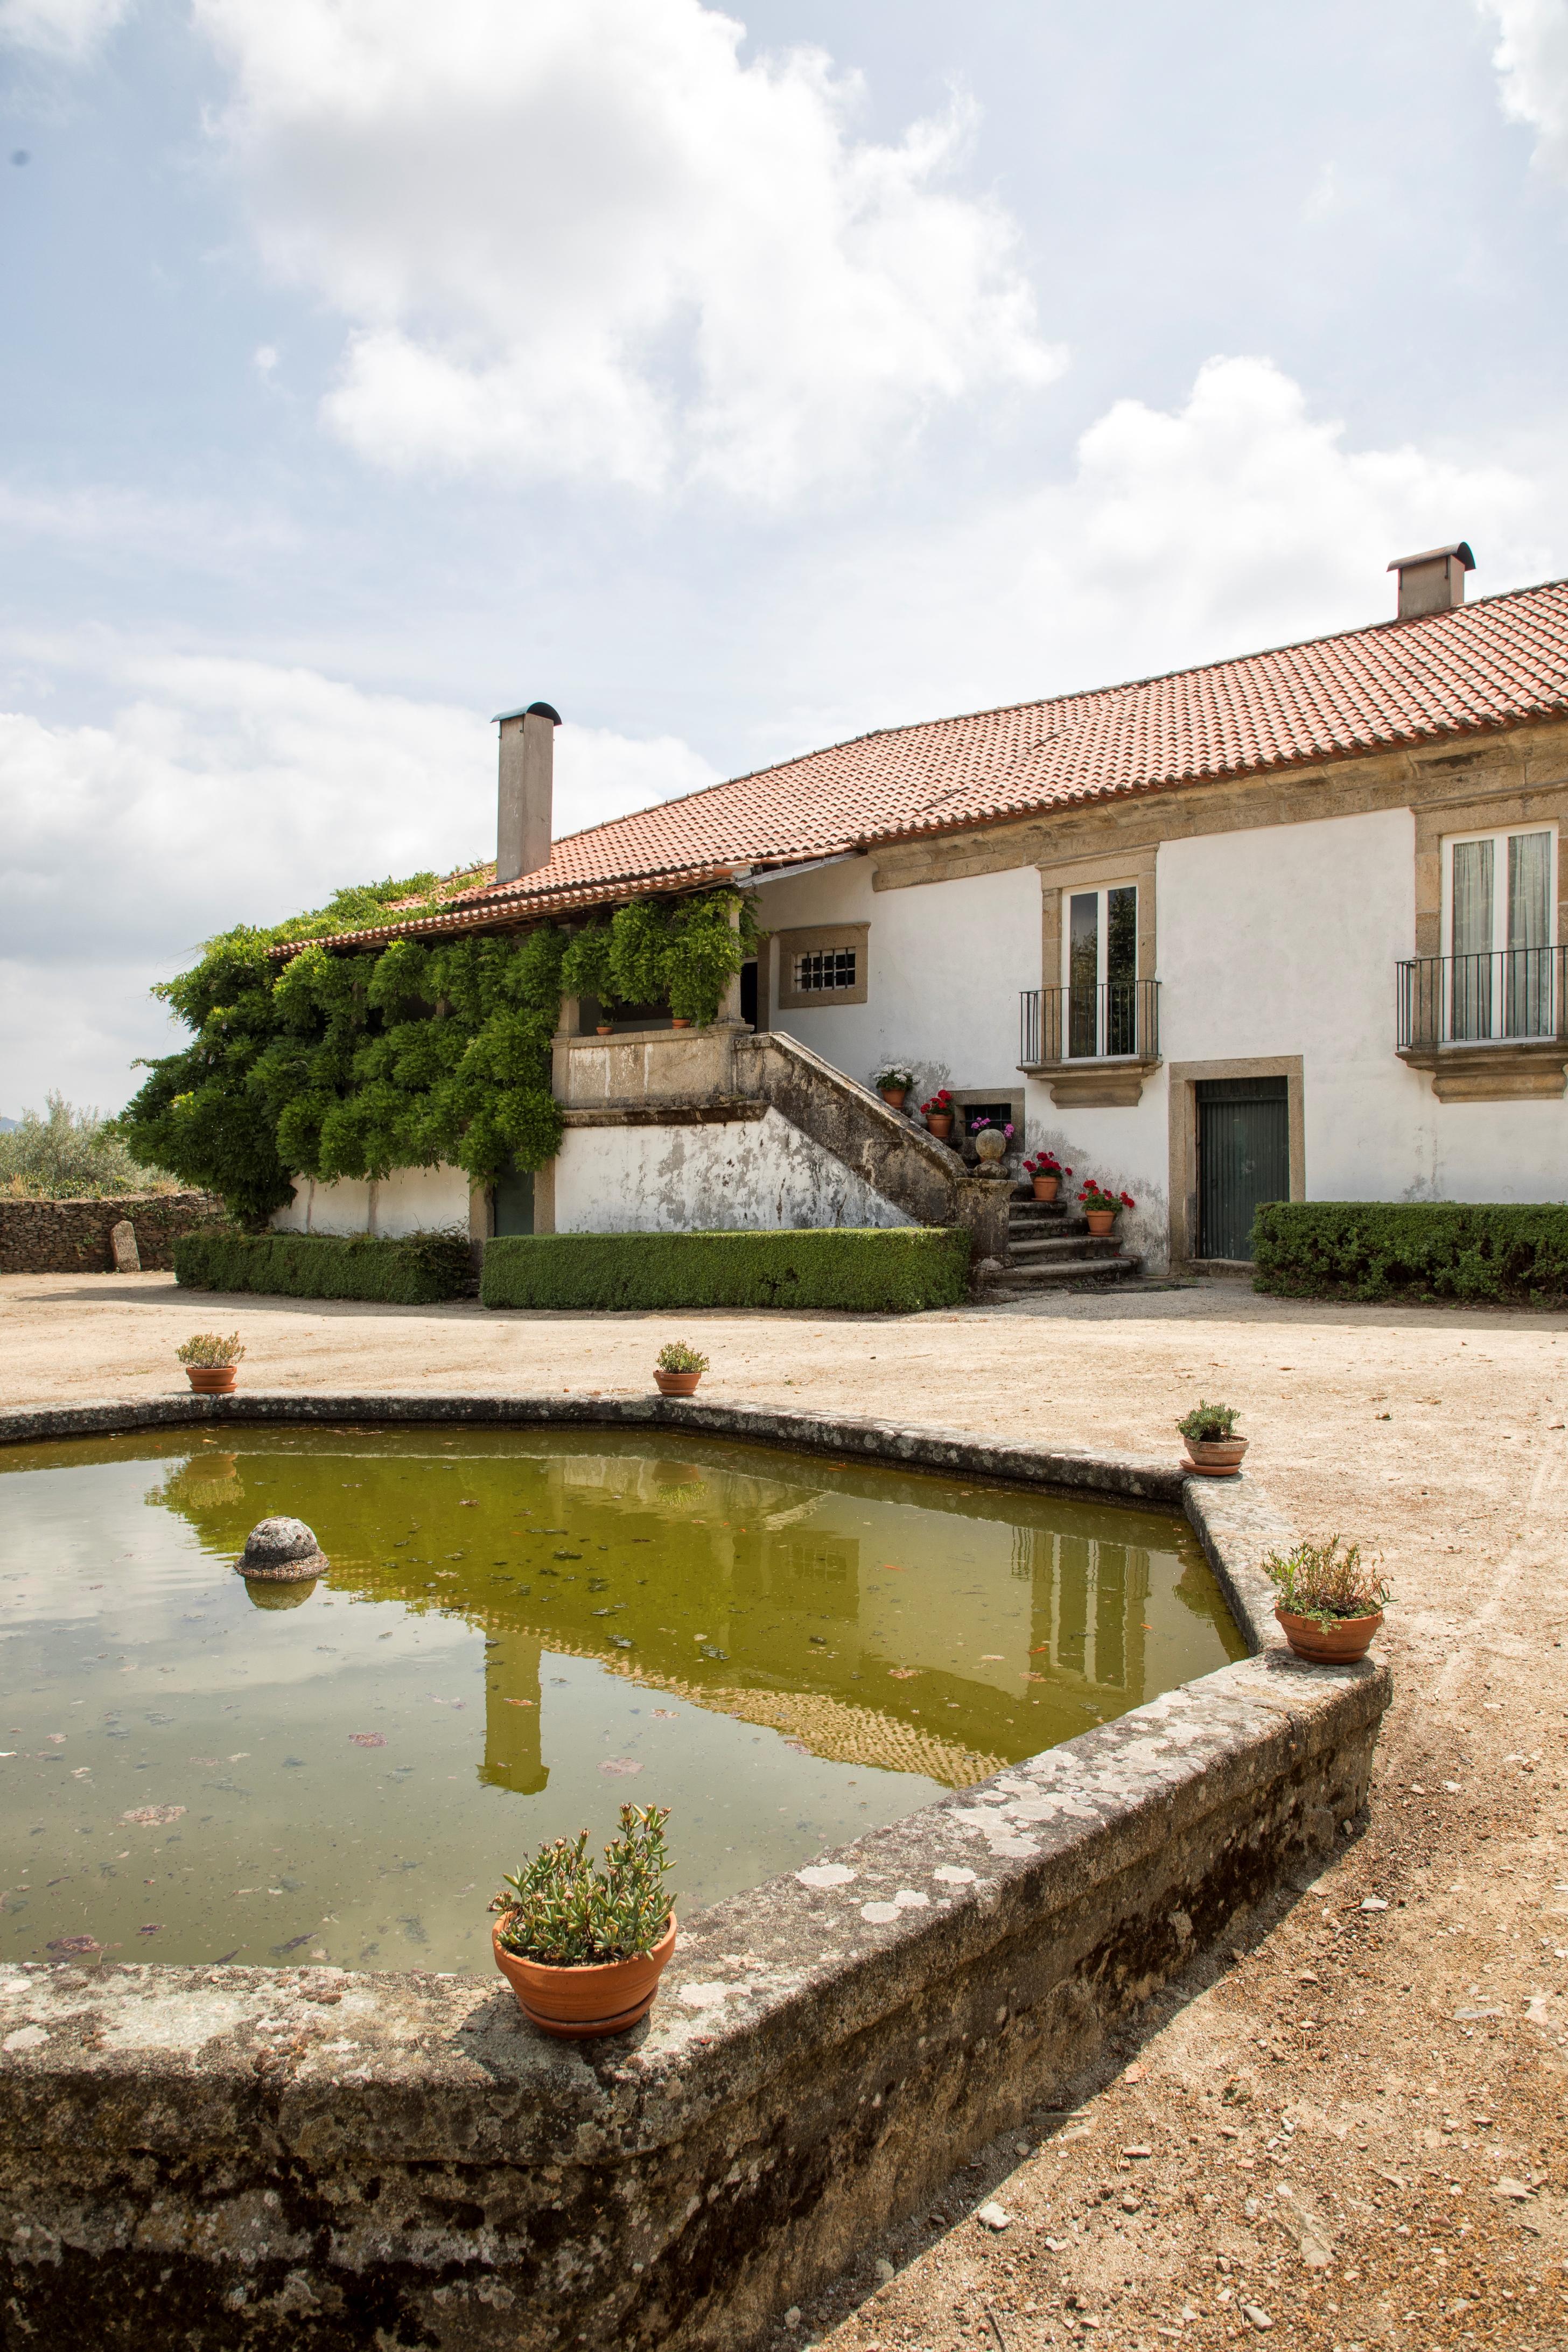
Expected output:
(1099, 949)
(822, 968)
(825, 969)
(1499, 897)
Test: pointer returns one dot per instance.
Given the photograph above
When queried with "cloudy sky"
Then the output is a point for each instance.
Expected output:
(737, 382)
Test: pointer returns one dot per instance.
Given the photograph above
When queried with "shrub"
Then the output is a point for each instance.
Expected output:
(678, 1356)
(1326, 1583)
(210, 1349)
(415, 1271)
(72, 1155)
(1207, 1423)
(1410, 1249)
(561, 1911)
(895, 1270)
(893, 1080)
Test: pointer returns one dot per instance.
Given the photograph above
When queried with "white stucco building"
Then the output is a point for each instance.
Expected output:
(1287, 926)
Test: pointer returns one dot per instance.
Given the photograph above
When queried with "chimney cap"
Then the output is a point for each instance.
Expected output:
(530, 710)
(1460, 551)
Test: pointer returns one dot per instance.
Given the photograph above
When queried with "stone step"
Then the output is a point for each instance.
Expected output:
(1053, 1272)
(1084, 1244)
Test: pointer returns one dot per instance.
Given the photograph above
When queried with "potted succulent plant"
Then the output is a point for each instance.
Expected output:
(1330, 1601)
(893, 1084)
(938, 1114)
(1208, 1432)
(1045, 1171)
(583, 1949)
(677, 1369)
(1102, 1209)
(209, 1361)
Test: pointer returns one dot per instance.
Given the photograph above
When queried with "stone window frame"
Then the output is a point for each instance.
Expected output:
(1493, 1069)
(820, 938)
(1101, 869)
(1184, 1079)
(1090, 1083)
(1013, 1092)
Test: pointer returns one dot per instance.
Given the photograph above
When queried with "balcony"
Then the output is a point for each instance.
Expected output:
(1487, 1027)
(1093, 1047)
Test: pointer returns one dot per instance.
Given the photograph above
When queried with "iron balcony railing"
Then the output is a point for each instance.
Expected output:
(1119, 1018)
(1511, 992)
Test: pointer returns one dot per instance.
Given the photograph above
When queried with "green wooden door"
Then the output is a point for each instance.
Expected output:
(1243, 1159)
(514, 1201)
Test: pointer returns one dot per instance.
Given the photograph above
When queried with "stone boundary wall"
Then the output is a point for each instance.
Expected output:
(315, 2160)
(72, 1236)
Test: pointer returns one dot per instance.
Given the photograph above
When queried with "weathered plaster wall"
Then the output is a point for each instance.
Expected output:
(742, 1173)
(411, 1200)
(315, 2161)
(946, 963)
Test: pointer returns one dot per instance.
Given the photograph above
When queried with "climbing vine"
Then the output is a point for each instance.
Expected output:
(349, 1063)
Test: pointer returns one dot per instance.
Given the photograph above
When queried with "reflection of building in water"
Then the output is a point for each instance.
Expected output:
(1090, 1598)
(803, 1570)
(513, 1752)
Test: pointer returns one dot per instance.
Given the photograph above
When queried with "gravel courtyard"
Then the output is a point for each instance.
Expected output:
(1348, 2130)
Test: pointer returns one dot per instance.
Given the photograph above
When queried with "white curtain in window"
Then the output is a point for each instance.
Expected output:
(1529, 1007)
(1472, 898)
(1528, 883)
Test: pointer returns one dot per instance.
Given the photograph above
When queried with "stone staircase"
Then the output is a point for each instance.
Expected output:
(1049, 1245)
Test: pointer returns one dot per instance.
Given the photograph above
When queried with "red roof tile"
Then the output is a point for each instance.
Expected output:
(1483, 667)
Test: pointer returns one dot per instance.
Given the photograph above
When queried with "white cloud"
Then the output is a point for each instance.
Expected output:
(194, 534)
(1531, 61)
(59, 28)
(1237, 520)
(581, 238)
(226, 792)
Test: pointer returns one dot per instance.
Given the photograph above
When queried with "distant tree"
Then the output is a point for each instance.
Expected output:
(72, 1155)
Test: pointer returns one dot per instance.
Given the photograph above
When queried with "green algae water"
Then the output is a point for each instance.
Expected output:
(520, 1630)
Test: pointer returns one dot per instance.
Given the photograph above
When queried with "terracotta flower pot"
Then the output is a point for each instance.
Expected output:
(604, 1028)
(1339, 1644)
(211, 1380)
(1216, 1457)
(1101, 1222)
(677, 1022)
(894, 1097)
(940, 1124)
(1047, 1187)
(676, 1384)
(575, 2003)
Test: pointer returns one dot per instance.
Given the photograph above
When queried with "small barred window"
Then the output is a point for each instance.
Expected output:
(825, 969)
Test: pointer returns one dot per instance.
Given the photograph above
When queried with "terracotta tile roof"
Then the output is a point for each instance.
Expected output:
(1481, 667)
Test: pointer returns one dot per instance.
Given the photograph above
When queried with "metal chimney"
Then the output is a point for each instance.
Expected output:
(1434, 581)
(524, 801)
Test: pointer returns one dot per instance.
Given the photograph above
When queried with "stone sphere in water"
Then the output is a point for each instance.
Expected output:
(280, 1552)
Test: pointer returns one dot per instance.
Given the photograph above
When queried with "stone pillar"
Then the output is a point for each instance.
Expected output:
(728, 1014)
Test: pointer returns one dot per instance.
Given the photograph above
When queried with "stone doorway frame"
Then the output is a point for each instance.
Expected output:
(1185, 1078)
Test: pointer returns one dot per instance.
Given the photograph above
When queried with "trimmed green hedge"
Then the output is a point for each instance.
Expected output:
(1410, 1249)
(415, 1271)
(895, 1270)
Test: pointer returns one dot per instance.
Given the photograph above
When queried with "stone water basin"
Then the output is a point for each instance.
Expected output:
(522, 1630)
